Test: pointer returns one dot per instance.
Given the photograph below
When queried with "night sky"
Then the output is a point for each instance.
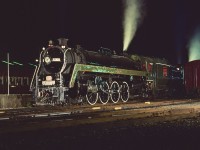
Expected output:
(165, 30)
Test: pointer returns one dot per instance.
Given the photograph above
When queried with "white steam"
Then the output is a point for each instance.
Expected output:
(132, 16)
(194, 46)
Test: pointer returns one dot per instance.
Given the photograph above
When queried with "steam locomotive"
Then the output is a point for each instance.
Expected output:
(73, 75)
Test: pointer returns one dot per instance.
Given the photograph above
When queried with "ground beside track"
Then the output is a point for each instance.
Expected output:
(155, 125)
(18, 120)
(120, 134)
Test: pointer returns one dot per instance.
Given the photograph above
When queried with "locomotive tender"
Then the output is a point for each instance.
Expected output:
(66, 75)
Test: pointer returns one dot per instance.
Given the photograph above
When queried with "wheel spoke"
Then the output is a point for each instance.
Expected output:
(104, 93)
(92, 94)
(125, 92)
(92, 98)
(115, 94)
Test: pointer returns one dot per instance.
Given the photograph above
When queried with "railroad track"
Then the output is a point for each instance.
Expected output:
(48, 111)
(45, 113)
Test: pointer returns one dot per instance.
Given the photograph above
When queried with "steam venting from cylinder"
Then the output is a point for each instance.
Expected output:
(194, 46)
(131, 19)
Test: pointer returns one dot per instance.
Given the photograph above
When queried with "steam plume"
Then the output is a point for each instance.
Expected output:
(132, 17)
(194, 46)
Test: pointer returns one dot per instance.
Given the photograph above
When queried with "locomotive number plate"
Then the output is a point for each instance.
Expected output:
(56, 59)
(48, 82)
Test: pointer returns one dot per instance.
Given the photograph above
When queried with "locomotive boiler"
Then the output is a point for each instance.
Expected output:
(71, 75)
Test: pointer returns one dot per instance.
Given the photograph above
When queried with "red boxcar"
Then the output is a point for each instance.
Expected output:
(192, 78)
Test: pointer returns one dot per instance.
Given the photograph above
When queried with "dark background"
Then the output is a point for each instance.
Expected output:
(27, 25)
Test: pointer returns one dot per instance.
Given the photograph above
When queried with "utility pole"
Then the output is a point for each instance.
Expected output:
(8, 73)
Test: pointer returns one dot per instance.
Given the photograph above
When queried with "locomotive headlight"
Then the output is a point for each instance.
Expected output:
(47, 60)
(49, 78)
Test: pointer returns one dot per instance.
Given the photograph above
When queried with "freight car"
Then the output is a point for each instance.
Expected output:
(67, 75)
(191, 79)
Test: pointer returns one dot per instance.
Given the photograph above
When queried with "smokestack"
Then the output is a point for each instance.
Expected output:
(63, 42)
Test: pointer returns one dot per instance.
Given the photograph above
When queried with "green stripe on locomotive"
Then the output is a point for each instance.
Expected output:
(102, 69)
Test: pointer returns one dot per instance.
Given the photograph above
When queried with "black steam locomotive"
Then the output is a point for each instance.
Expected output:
(66, 75)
